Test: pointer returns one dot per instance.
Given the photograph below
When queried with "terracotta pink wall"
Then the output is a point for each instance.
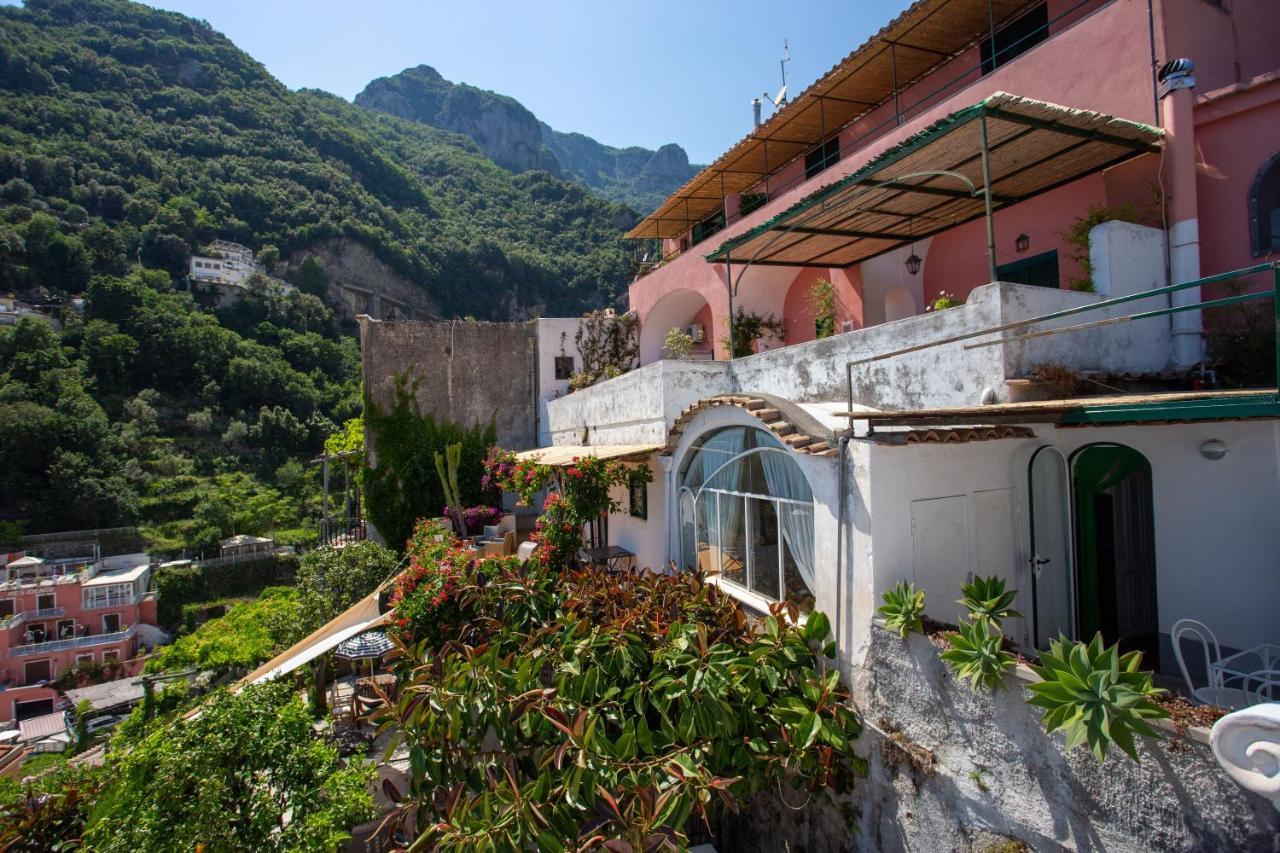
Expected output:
(1228, 47)
(797, 307)
(957, 259)
(1237, 133)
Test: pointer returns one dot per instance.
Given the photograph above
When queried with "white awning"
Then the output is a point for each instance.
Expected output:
(360, 617)
(126, 576)
(564, 454)
(39, 728)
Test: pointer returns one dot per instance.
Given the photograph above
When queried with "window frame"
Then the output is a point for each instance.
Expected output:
(746, 590)
(1261, 242)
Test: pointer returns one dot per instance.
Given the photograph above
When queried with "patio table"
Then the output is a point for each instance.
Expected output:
(614, 558)
(1241, 666)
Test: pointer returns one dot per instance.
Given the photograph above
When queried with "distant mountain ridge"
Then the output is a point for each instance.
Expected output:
(513, 137)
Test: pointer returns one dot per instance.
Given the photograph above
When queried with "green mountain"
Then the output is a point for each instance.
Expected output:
(511, 136)
(152, 131)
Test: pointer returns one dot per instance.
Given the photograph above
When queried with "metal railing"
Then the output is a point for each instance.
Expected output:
(23, 616)
(72, 643)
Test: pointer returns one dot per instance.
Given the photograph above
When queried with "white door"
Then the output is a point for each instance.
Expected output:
(940, 553)
(1052, 575)
(995, 546)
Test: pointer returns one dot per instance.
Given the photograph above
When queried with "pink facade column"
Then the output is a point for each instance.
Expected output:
(1178, 107)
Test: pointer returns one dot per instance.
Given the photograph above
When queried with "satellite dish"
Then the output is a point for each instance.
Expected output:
(781, 97)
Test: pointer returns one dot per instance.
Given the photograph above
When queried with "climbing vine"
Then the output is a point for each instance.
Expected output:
(405, 485)
(609, 345)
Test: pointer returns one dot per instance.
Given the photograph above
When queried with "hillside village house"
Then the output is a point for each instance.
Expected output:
(227, 263)
(55, 614)
(950, 153)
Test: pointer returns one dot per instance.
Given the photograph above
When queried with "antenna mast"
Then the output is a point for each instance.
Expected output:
(786, 57)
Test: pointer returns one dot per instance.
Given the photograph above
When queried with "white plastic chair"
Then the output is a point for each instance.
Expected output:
(525, 551)
(1212, 693)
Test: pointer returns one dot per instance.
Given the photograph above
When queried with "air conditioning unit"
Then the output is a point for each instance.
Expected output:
(696, 332)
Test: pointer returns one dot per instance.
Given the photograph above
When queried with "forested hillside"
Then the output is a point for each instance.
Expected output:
(130, 138)
(147, 133)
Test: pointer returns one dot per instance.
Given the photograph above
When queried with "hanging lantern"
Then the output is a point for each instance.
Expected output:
(913, 263)
(1022, 242)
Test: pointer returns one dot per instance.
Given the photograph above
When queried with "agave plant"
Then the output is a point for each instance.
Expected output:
(976, 654)
(902, 608)
(1096, 695)
(986, 598)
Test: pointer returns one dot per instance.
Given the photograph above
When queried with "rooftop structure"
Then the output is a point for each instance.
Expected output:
(57, 614)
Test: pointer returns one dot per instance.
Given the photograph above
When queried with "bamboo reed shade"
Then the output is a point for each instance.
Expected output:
(1034, 146)
(926, 35)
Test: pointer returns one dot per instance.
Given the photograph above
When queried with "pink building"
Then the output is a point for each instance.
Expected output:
(59, 613)
(1211, 182)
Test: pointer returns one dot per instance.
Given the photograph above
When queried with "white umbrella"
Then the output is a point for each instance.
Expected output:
(371, 644)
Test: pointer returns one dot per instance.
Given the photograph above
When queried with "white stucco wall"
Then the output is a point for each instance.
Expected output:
(637, 407)
(556, 336)
(1216, 527)
(646, 538)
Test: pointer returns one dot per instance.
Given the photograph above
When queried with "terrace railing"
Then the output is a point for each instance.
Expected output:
(72, 643)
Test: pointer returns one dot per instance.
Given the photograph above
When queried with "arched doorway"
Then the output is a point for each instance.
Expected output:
(682, 309)
(1093, 562)
(1115, 547)
(746, 514)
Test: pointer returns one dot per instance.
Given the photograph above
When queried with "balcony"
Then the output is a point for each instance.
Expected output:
(44, 613)
(72, 643)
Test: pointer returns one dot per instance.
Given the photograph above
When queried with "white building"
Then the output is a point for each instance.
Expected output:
(227, 263)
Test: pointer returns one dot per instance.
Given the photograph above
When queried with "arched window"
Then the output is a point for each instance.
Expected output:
(1264, 209)
(746, 511)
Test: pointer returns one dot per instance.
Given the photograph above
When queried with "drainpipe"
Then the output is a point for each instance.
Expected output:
(1176, 80)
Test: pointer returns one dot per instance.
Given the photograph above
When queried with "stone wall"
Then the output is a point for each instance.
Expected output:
(974, 771)
(467, 372)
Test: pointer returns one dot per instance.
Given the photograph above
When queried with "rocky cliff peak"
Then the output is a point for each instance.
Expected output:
(511, 136)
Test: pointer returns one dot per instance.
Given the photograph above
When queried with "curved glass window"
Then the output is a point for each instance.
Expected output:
(746, 512)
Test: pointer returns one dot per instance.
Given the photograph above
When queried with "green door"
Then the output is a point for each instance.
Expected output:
(1115, 547)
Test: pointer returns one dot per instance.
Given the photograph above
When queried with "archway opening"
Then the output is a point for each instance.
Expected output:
(680, 309)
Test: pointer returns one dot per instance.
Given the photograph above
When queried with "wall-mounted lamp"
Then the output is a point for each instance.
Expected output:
(913, 263)
(1022, 242)
(1213, 449)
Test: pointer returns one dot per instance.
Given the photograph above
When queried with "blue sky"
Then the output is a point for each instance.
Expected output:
(626, 74)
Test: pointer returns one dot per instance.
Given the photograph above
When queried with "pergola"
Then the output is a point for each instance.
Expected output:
(998, 152)
(969, 164)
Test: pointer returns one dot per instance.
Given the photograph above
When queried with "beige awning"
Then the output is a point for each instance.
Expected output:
(562, 455)
(126, 576)
(360, 617)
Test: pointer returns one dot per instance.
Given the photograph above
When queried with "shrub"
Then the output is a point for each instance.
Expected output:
(943, 301)
(822, 299)
(902, 608)
(986, 598)
(615, 708)
(678, 344)
(976, 654)
(241, 639)
(1096, 695)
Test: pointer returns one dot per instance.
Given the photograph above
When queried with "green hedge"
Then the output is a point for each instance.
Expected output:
(178, 586)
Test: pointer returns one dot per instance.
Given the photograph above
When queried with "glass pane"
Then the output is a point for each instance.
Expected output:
(797, 554)
(733, 550)
(688, 533)
(764, 547)
(708, 557)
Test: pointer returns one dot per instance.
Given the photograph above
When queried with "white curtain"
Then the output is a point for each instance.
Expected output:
(786, 480)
